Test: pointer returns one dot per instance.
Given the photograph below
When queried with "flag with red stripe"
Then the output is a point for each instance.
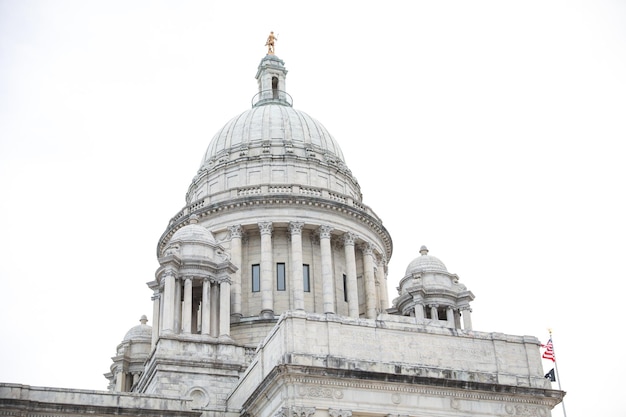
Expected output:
(549, 351)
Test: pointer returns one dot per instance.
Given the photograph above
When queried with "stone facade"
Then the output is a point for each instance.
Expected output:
(271, 300)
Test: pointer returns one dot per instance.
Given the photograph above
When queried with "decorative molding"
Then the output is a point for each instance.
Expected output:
(316, 391)
(333, 412)
(412, 389)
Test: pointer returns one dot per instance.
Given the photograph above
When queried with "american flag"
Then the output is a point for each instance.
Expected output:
(549, 351)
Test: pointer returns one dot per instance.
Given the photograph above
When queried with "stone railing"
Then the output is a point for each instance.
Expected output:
(271, 190)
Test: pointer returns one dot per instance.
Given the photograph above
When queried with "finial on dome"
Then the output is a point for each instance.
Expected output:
(424, 250)
(143, 319)
(193, 219)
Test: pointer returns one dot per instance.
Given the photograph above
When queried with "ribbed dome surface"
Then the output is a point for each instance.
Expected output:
(272, 122)
(193, 233)
(425, 263)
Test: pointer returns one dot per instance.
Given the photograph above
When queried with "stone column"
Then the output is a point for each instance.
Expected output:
(370, 285)
(177, 306)
(215, 312)
(467, 318)
(206, 307)
(297, 284)
(187, 305)
(119, 381)
(419, 311)
(381, 279)
(236, 233)
(457, 319)
(156, 314)
(328, 288)
(267, 287)
(169, 307)
(353, 294)
(136, 376)
(433, 312)
(225, 309)
(450, 317)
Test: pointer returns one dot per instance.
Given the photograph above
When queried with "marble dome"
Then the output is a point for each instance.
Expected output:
(425, 263)
(140, 332)
(193, 233)
(277, 122)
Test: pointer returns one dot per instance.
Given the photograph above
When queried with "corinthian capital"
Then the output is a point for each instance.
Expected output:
(325, 231)
(265, 228)
(367, 248)
(349, 239)
(296, 227)
(236, 231)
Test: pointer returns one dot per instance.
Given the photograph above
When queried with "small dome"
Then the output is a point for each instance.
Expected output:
(140, 332)
(425, 263)
(193, 233)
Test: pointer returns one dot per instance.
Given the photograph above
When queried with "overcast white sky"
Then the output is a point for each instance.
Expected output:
(490, 131)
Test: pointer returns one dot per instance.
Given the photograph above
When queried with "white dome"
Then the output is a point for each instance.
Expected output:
(280, 124)
(193, 233)
(425, 263)
(140, 332)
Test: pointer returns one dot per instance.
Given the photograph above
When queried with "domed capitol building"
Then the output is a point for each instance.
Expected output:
(271, 300)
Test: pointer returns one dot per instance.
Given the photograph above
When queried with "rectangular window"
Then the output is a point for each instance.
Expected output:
(280, 277)
(256, 278)
(306, 278)
(345, 288)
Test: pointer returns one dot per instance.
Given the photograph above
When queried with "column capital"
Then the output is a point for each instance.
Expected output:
(325, 231)
(265, 228)
(349, 238)
(168, 273)
(296, 227)
(236, 231)
(367, 248)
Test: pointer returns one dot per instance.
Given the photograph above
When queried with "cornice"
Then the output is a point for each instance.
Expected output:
(290, 200)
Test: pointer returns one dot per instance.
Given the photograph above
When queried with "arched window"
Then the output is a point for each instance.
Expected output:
(275, 87)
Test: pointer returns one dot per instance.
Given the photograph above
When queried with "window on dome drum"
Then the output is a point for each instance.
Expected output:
(280, 277)
(306, 278)
(345, 288)
(274, 87)
(256, 278)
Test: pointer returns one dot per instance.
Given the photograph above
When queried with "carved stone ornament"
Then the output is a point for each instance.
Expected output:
(526, 410)
(319, 392)
(333, 412)
(325, 231)
(265, 228)
(349, 238)
(236, 231)
(296, 227)
(297, 411)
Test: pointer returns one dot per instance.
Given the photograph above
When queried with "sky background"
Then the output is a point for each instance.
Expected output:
(490, 131)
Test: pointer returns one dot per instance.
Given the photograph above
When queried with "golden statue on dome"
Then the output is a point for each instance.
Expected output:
(270, 43)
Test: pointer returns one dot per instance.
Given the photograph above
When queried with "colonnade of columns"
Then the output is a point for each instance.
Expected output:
(191, 304)
(376, 298)
(452, 315)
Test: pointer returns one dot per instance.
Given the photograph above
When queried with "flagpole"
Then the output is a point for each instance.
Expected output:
(556, 370)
